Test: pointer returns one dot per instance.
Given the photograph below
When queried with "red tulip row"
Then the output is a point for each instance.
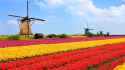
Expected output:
(112, 65)
(84, 64)
(52, 41)
(74, 60)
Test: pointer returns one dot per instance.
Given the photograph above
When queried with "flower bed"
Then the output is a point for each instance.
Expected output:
(13, 53)
(13, 43)
(96, 58)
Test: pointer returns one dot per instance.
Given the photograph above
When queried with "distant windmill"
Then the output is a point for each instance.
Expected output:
(25, 22)
(87, 29)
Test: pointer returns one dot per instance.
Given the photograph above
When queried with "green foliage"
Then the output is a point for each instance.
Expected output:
(13, 37)
(38, 36)
(90, 34)
(24, 37)
(51, 36)
(62, 36)
(57, 36)
(3, 37)
(16, 37)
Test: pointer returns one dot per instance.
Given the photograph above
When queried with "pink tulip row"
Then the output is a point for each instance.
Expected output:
(74, 60)
(52, 41)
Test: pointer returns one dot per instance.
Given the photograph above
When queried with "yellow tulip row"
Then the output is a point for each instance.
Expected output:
(13, 53)
(120, 67)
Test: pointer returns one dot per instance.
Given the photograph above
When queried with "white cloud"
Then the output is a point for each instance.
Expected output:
(84, 6)
(55, 2)
(48, 3)
(40, 3)
(85, 9)
(81, 7)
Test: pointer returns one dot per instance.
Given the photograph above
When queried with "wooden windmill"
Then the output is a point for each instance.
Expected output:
(25, 22)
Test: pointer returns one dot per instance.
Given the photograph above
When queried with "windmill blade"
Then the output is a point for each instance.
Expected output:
(91, 29)
(85, 28)
(86, 23)
(88, 28)
(37, 19)
(16, 16)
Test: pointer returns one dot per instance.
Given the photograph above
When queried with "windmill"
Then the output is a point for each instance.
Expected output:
(87, 29)
(25, 22)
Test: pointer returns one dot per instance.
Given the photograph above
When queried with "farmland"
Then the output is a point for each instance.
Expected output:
(62, 35)
(71, 53)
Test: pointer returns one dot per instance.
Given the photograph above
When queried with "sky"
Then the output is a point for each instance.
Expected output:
(65, 16)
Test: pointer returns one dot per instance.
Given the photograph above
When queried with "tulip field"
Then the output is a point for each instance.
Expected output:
(72, 53)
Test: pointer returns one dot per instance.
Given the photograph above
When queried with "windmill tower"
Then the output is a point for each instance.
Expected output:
(25, 22)
(25, 27)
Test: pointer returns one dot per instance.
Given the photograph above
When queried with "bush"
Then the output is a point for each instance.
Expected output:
(62, 36)
(14, 37)
(56, 36)
(38, 36)
(51, 36)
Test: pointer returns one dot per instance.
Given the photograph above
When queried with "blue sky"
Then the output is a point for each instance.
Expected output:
(65, 16)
